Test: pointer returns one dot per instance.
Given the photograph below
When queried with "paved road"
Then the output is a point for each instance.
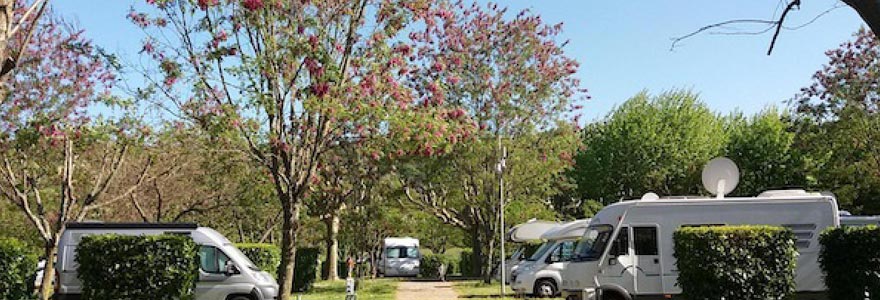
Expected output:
(425, 290)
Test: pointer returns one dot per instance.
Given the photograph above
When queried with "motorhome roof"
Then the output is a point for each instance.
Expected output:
(102, 225)
(530, 231)
(570, 230)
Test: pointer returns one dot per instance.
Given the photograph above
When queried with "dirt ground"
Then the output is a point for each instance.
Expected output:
(425, 290)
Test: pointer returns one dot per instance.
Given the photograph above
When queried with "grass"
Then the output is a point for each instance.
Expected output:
(480, 290)
(370, 289)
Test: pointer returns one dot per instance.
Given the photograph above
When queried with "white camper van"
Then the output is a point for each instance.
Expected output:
(541, 274)
(627, 251)
(523, 234)
(400, 257)
(856, 221)
(224, 272)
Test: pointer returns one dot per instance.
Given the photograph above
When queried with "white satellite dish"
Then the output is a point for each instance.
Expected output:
(650, 196)
(720, 176)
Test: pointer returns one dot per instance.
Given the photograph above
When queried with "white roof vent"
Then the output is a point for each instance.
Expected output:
(650, 196)
(786, 193)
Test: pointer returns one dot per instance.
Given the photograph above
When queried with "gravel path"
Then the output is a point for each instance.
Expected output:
(425, 290)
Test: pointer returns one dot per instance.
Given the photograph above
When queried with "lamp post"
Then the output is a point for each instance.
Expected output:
(499, 168)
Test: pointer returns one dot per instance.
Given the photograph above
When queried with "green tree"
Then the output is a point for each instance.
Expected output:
(838, 124)
(763, 148)
(649, 144)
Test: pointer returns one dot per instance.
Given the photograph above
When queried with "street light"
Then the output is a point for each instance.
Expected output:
(499, 169)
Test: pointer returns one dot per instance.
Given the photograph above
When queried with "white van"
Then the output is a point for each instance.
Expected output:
(400, 257)
(856, 221)
(224, 272)
(528, 232)
(639, 263)
(541, 274)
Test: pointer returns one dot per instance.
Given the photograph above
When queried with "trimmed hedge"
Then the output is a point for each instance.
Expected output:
(465, 266)
(267, 257)
(19, 268)
(114, 267)
(429, 265)
(850, 259)
(735, 262)
(305, 269)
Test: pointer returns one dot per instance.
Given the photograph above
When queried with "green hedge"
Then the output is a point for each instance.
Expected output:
(114, 267)
(19, 268)
(429, 265)
(735, 262)
(267, 257)
(850, 258)
(465, 266)
(306, 269)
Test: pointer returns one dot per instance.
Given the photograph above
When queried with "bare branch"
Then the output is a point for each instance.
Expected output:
(788, 8)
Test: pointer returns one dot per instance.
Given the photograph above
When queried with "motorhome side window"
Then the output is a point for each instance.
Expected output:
(645, 240)
(621, 243)
(212, 260)
(566, 251)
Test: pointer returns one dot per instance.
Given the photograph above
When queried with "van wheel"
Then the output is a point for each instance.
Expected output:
(239, 297)
(612, 296)
(545, 288)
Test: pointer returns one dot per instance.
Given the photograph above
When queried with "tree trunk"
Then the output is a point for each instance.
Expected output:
(869, 10)
(476, 251)
(332, 241)
(489, 260)
(50, 249)
(288, 248)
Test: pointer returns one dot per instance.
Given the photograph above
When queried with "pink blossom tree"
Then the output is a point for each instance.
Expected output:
(293, 80)
(17, 20)
(59, 165)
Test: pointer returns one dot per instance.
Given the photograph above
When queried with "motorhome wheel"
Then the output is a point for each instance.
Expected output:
(239, 297)
(545, 288)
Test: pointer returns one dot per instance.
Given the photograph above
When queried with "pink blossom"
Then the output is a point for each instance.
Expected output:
(252, 5)
(205, 4)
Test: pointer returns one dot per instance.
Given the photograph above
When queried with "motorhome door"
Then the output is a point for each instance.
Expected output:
(619, 265)
(647, 259)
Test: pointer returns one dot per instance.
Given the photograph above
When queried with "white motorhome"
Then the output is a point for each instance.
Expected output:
(627, 251)
(524, 234)
(224, 271)
(400, 257)
(855, 221)
(541, 274)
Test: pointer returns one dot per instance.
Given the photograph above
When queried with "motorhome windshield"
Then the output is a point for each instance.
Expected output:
(593, 243)
(402, 252)
(541, 251)
(231, 250)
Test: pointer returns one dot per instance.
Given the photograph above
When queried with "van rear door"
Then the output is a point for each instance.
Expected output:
(647, 259)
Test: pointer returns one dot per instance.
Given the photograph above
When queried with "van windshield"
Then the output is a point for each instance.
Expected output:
(402, 252)
(237, 255)
(593, 243)
(541, 251)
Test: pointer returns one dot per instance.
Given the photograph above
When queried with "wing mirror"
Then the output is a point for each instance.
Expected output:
(231, 269)
(612, 261)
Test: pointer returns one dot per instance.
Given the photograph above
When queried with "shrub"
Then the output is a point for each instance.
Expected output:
(851, 262)
(735, 262)
(19, 268)
(429, 265)
(114, 267)
(465, 266)
(305, 269)
(267, 257)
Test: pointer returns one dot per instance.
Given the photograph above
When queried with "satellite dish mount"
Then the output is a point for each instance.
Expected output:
(720, 176)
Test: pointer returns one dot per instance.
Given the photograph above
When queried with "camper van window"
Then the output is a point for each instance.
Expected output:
(645, 240)
(212, 260)
(541, 251)
(402, 252)
(412, 252)
(593, 243)
(621, 243)
(566, 250)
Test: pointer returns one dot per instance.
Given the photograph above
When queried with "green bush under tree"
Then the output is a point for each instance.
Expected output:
(429, 265)
(264, 256)
(735, 262)
(851, 262)
(465, 266)
(306, 269)
(19, 267)
(115, 267)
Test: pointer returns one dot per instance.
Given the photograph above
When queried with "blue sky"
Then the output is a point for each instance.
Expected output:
(624, 46)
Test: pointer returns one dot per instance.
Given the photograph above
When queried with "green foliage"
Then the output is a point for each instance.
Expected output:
(649, 144)
(763, 148)
(265, 256)
(114, 267)
(850, 259)
(429, 265)
(19, 267)
(735, 262)
(305, 269)
(465, 265)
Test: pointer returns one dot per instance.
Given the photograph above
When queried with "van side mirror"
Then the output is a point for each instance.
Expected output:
(612, 261)
(231, 269)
